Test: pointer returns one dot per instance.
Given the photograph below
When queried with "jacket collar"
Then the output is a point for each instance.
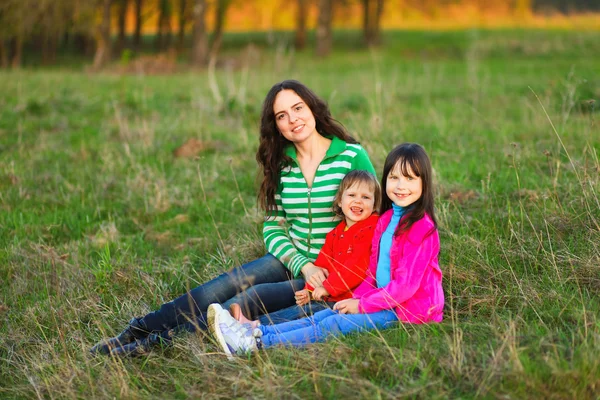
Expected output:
(336, 147)
(359, 225)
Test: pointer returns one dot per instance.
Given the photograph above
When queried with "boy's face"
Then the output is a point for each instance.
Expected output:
(357, 203)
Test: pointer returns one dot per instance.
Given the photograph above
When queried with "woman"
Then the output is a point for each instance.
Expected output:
(304, 154)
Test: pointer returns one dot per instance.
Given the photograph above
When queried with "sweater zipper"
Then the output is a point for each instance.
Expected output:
(309, 221)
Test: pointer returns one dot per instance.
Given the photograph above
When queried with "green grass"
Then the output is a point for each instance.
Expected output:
(98, 221)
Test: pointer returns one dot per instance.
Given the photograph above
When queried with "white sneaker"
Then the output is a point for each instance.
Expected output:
(212, 312)
(233, 337)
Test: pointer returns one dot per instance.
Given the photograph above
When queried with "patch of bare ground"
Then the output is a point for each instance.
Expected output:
(167, 63)
(457, 194)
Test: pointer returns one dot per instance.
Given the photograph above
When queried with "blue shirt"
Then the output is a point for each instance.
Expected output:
(383, 274)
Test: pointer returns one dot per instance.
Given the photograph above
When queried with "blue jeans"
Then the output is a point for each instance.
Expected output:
(294, 312)
(260, 286)
(322, 325)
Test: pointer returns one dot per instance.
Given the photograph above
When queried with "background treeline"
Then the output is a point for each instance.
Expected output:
(102, 29)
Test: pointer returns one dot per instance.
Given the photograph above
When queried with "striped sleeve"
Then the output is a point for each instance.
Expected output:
(278, 242)
(361, 161)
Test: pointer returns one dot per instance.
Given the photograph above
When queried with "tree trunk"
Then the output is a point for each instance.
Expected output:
(376, 34)
(81, 43)
(102, 56)
(220, 13)
(324, 39)
(168, 32)
(3, 54)
(123, 5)
(158, 39)
(300, 40)
(200, 45)
(163, 33)
(138, 25)
(372, 11)
(182, 23)
(49, 44)
(366, 22)
(17, 52)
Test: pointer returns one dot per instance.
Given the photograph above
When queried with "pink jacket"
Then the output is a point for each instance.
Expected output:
(415, 289)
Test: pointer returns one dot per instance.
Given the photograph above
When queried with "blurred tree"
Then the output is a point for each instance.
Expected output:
(200, 41)
(372, 11)
(522, 8)
(220, 15)
(300, 38)
(138, 25)
(162, 38)
(18, 20)
(183, 18)
(103, 47)
(121, 23)
(324, 37)
(566, 6)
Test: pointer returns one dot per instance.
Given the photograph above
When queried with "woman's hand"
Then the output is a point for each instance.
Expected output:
(302, 297)
(314, 275)
(319, 293)
(348, 306)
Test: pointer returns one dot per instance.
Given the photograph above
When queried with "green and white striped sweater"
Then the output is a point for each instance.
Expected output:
(296, 232)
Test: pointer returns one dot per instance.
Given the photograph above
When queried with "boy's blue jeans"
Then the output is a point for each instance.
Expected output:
(260, 287)
(322, 325)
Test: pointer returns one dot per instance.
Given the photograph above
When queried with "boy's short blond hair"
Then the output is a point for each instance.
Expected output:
(352, 178)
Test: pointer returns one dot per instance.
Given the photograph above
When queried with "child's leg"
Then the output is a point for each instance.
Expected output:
(297, 324)
(329, 323)
(294, 312)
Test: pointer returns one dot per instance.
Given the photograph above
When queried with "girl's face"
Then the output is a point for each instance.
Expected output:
(294, 119)
(403, 190)
(357, 203)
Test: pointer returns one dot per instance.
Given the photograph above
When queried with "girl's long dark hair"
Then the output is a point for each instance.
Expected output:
(270, 155)
(410, 157)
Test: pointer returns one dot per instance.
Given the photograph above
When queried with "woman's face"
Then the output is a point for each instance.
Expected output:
(294, 119)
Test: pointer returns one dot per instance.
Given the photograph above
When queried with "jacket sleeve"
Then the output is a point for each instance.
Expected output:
(325, 257)
(419, 249)
(277, 241)
(362, 162)
(369, 282)
(348, 276)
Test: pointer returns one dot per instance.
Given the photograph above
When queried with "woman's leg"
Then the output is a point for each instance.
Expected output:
(192, 305)
(330, 324)
(294, 312)
(266, 297)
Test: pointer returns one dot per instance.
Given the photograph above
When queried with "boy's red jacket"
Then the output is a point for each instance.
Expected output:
(346, 255)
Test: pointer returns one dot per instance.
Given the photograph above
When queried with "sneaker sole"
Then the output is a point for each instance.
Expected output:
(219, 336)
(212, 312)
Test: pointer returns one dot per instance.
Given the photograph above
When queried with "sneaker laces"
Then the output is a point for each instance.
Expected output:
(242, 335)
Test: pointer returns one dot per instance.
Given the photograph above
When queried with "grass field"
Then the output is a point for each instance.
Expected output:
(99, 222)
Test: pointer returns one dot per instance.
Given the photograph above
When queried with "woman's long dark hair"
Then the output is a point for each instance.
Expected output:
(410, 157)
(270, 155)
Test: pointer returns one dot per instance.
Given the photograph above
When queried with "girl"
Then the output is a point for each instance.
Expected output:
(404, 281)
(304, 153)
(345, 254)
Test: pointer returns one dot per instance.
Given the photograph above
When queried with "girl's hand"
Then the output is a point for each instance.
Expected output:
(348, 306)
(319, 293)
(302, 297)
(314, 275)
